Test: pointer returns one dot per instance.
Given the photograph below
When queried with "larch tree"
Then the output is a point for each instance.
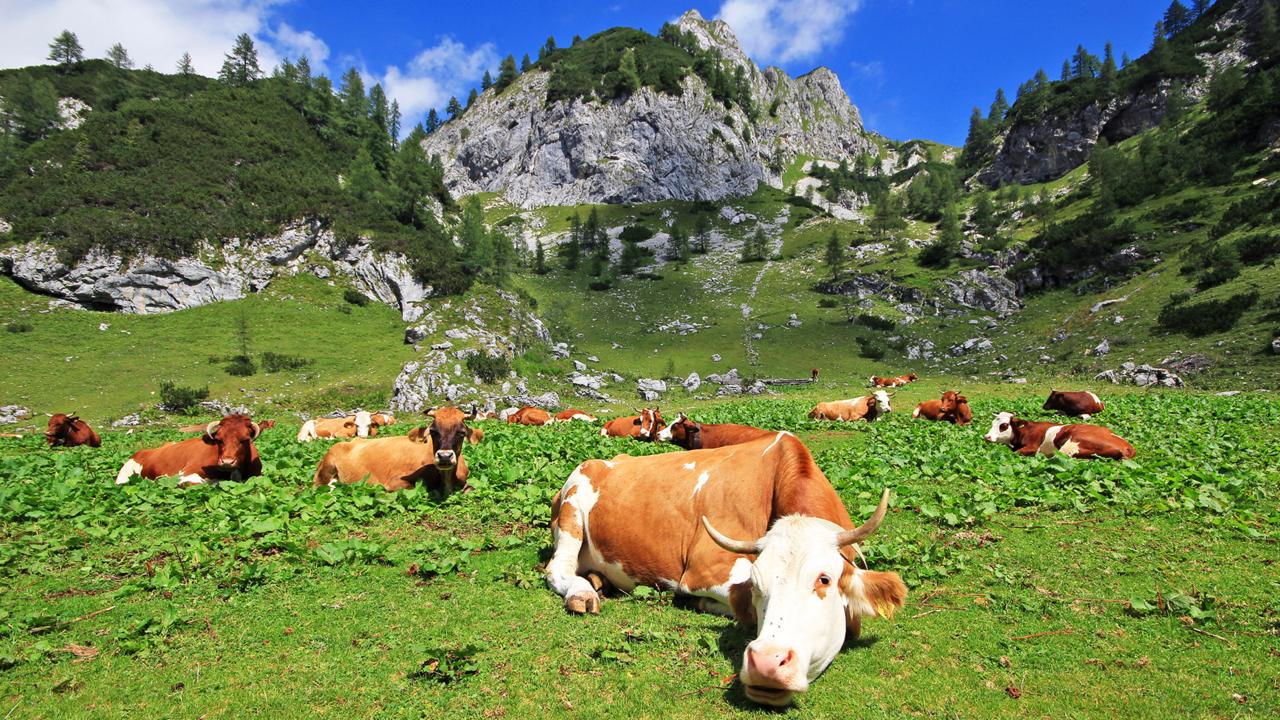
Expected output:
(186, 68)
(66, 50)
(240, 66)
(119, 57)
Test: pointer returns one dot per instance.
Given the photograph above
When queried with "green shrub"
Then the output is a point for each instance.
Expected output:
(635, 234)
(355, 297)
(179, 399)
(1207, 316)
(276, 362)
(1258, 247)
(875, 322)
(19, 327)
(488, 368)
(828, 302)
(871, 348)
(241, 366)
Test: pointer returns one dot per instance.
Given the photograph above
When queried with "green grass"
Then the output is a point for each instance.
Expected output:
(69, 365)
(273, 598)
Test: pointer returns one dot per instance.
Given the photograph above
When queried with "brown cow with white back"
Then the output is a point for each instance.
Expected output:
(868, 407)
(1076, 404)
(670, 521)
(1027, 437)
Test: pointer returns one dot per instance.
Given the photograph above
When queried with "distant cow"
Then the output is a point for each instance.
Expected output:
(572, 414)
(1078, 441)
(362, 424)
(530, 416)
(867, 407)
(694, 521)
(1076, 404)
(224, 452)
(644, 426)
(877, 381)
(70, 431)
(430, 455)
(813, 375)
(952, 407)
(691, 435)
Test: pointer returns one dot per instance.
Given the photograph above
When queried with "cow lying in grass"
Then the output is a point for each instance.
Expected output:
(1076, 404)
(644, 426)
(70, 431)
(1026, 437)
(430, 455)
(362, 424)
(899, 381)
(530, 416)
(867, 407)
(952, 407)
(670, 521)
(573, 414)
(691, 435)
(224, 452)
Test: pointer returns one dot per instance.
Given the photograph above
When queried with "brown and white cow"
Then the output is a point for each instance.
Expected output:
(1026, 437)
(952, 407)
(899, 381)
(574, 414)
(644, 426)
(362, 424)
(657, 520)
(692, 435)
(1077, 404)
(224, 452)
(868, 407)
(530, 416)
(430, 455)
(70, 431)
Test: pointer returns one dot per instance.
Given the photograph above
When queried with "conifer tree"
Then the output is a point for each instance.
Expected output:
(984, 216)
(240, 66)
(477, 248)
(539, 259)
(1199, 7)
(393, 123)
(835, 254)
(1041, 78)
(571, 251)
(363, 181)
(486, 82)
(472, 96)
(507, 73)
(454, 108)
(701, 235)
(32, 107)
(118, 56)
(433, 121)
(1108, 64)
(629, 76)
(65, 49)
(547, 48)
(525, 63)
(185, 66)
(1066, 70)
(999, 107)
(1176, 18)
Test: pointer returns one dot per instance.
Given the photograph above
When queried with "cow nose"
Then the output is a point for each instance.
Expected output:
(227, 462)
(445, 457)
(772, 663)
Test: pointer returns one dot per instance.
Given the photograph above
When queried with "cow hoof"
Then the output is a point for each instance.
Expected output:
(582, 603)
(597, 582)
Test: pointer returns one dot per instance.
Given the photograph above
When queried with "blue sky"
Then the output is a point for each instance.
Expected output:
(915, 68)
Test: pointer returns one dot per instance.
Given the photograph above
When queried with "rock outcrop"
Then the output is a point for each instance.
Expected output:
(148, 284)
(648, 146)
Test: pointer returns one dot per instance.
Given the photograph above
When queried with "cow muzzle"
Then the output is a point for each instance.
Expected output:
(226, 462)
(772, 674)
(446, 458)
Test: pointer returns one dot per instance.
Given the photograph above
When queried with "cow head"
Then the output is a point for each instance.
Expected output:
(1001, 429)
(949, 401)
(683, 432)
(804, 594)
(650, 422)
(882, 401)
(912, 377)
(1054, 401)
(234, 436)
(446, 432)
(60, 426)
(361, 421)
(963, 414)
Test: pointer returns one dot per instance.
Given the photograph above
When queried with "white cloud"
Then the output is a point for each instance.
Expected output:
(449, 69)
(870, 74)
(153, 31)
(787, 30)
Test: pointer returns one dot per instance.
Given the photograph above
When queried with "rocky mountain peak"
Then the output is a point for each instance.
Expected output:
(716, 35)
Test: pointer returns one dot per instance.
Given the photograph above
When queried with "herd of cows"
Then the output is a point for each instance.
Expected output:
(689, 522)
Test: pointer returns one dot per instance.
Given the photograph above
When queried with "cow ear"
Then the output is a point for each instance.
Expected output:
(474, 435)
(740, 603)
(418, 435)
(636, 421)
(869, 593)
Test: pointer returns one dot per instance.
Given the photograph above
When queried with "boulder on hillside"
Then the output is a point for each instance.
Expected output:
(1141, 375)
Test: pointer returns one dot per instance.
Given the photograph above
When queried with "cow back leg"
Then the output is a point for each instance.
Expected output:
(568, 536)
(131, 469)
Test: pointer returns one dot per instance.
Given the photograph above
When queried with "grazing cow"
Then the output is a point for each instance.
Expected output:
(867, 407)
(359, 425)
(644, 426)
(430, 455)
(1076, 404)
(224, 452)
(813, 375)
(572, 414)
(952, 407)
(1078, 441)
(877, 381)
(530, 416)
(657, 520)
(70, 431)
(698, 436)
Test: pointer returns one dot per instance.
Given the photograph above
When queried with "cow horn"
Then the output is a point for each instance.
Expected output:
(472, 414)
(734, 546)
(257, 429)
(863, 531)
(212, 428)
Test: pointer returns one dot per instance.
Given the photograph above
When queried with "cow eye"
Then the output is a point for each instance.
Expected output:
(824, 579)
(1004, 426)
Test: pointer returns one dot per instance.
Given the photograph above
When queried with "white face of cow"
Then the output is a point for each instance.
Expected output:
(363, 421)
(800, 609)
(664, 435)
(1001, 429)
(882, 400)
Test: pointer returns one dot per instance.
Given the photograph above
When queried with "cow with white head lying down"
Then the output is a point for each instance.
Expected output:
(868, 407)
(361, 424)
(753, 530)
